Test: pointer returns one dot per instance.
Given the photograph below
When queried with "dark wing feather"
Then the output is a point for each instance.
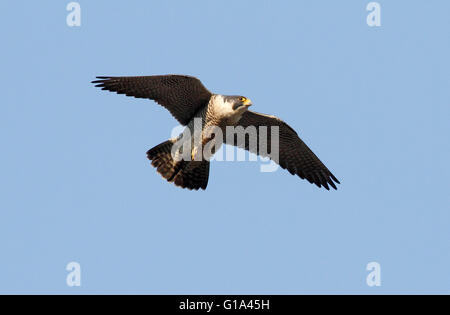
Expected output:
(294, 154)
(182, 95)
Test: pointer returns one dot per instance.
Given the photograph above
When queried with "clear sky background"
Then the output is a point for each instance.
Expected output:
(373, 104)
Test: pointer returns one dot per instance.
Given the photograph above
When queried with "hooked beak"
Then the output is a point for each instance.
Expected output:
(245, 104)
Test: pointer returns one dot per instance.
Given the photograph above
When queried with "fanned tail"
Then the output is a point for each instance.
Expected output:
(185, 174)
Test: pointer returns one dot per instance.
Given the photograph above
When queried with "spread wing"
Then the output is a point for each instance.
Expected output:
(294, 154)
(182, 95)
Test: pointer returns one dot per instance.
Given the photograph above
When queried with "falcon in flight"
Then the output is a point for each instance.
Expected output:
(187, 100)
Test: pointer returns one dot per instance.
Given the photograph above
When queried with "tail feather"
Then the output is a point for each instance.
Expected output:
(193, 175)
(186, 174)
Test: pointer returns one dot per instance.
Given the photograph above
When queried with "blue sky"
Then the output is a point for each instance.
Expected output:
(372, 102)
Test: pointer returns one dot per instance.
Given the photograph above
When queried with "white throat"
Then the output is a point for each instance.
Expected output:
(224, 109)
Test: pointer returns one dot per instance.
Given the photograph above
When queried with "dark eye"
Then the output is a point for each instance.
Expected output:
(242, 99)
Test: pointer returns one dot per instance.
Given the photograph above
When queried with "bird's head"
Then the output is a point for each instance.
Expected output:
(238, 103)
(231, 105)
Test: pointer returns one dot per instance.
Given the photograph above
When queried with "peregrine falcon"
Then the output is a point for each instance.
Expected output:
(187, 100)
